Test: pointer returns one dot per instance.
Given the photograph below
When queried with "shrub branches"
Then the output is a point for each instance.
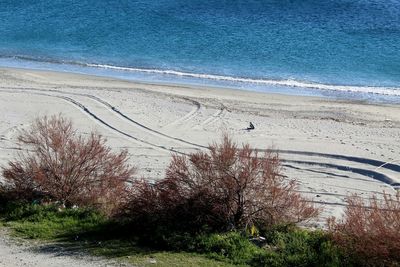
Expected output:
(370, 231)
(66, 167)
(225, 188)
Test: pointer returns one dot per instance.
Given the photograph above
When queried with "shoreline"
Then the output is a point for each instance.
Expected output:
(369, 93)
(332, 147)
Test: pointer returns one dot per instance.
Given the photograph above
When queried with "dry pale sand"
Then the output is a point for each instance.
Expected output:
(333, 148)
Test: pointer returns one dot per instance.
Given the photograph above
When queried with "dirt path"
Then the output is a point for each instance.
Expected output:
(16, 252)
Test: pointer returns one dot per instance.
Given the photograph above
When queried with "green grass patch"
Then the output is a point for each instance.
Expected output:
(84, 229)
(299, 247)
(293, 247)
(232, 247)
(50, 222)
(87, 230)
(166, 258)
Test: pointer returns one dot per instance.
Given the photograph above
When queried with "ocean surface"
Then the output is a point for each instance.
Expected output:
(338, 48)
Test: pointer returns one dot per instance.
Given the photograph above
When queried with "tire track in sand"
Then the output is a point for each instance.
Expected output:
(100, 120)
(193, 113)
(364, 161)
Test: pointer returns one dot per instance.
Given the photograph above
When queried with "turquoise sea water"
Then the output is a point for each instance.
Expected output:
(349, 48)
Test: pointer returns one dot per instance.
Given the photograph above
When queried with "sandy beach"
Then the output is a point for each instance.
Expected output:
(333, 148)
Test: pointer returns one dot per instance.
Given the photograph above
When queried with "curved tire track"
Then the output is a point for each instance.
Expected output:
(368, 173)
(193, 113)
(364, 161)
(153, 131)
(373, 162)
(216, 116)
(103, 122)
(111, 107)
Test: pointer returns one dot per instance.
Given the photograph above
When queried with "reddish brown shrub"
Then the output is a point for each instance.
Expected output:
(370, 231)
(64, 166)
(224, 188)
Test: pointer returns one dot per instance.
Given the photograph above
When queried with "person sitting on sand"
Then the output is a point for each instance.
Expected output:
(251, 127)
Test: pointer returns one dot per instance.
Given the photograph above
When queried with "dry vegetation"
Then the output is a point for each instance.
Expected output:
(63, 166)
(226, 188)
(370, 231)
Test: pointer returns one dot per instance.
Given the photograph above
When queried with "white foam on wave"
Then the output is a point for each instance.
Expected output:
(380, 90)
(391, 91)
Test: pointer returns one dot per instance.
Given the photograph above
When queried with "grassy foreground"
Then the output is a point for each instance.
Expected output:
(87, 230)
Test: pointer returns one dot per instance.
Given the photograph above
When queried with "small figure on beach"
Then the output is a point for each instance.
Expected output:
(251, 127)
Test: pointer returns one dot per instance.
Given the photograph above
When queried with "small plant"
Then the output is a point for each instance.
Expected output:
(230, 246)
(63, 166)
(298, 247)
(370, 231)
